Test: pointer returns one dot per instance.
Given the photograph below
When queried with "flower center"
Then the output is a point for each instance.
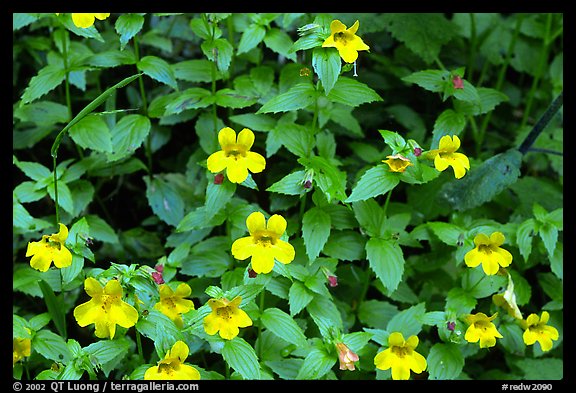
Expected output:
(485, 249)
(482, 325)
(401, 351)
(235, 151)
(107, 301)
(341, 38)
(224, 312)
(265, 239)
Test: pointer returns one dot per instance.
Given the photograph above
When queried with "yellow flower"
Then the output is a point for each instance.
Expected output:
(397, 162)
(481, 328)
(264, 244)
(345, 40)
(538, 330)
(401, 356)
(226, 317)
(235, 155)
(50, 249)
(172, 303)
(346, 357)
(106, 309)
(488, 253)
(446, 156)
(21, 348)
(84, 21)
(173, 366)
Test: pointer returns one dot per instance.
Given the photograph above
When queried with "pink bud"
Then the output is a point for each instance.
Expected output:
(157, 277)
(451, 325)
(252, 273)
(458, 82)
(159, 268)
(308, 184)
(219, 178)
(333, 280)
(417, 151)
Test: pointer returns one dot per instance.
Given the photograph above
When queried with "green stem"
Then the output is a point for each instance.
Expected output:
(473, 44)
(148, 146)
(536, 81)
(213, 86)
(139, 345)
(56, 192)
(261, 308)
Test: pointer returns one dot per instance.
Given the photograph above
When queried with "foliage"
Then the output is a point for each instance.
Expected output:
(113, 125)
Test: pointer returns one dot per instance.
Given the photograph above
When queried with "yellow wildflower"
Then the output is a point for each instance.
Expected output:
(172, 303)
(538, 330)
(401, 357)
(106, 309)
(345, 40)
(397, 162)
(264, 244)
(226, 317)
(446, 156)
(488, 253)
(173, 366)
(481, 328)
(235, 155)
(21, 348)
(84, 21)
(50, 249)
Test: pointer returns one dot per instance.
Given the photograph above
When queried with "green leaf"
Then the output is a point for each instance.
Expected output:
(164, 199)
(549, 235)
(297, 97)
(316, 364)
(479, 285)
(192, 98)
(459, 301)
(280, 42)
(315, 231)
(448, 233)
(449, 122)
(326, 63)
(376, 313)
(54, 307)
(106, 351)
(199, 70)
(220, 51)
(92, 133)
(386, 260)
(158, 69)
(488, 99)
(128, 25)
(423, 34)
(51, 346)
(541, 369)
(283, 326)
(128, 135)
(291, 184)
(255, 122)
(42, 113)
(524, 235)
(251, 37)
(100, 230)
(445, 361)
(325, 315)
(19, 20)
(327, 176)
(33, 170)
(217, 196)
(350, 92)
(345, 245)
(298, 297)
(370, 216)
(431, 80)
(47, 79)
(295, 137)
(375, 181)
(484, 182)
(241, 357)
(409, 321)
(229, 98)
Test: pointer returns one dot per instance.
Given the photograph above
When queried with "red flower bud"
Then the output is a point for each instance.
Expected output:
(218, 178)
(308, 184)
(451, 325)
(333, 280)
(157, 277)
(458, 82)
(252, 273)
(417, 151)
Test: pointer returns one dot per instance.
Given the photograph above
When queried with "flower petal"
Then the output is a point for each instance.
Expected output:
(211, 323)
(348, 53)
(186, 372)
(418, 363)
(505, 257)
(92, 287)
(329, 42)
(62, 257)
(357, 43)
(88, 313)
(354, 28)
(179, 350)
(277, 224)
(396, 339)
(83, 20)
(243, 248)
(440, 163)
(497, 239)
(237, 171)
(183, 290)
(283, 252)
(255, 162)
(41, 260)
(101, 16)
(262, 260)
(256, 222)
(228, 331)
(113, 288)
(246, 138)
(384, 359)
(226, 137)
(337, 27)
(240, 318)
(490, 264)
(473, 258)
(123, 314)
(217, 162)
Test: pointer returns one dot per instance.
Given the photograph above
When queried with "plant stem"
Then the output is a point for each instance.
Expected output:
(261, 308)
(139, 345)
(473, 44)
(56, 205)
(148, 146)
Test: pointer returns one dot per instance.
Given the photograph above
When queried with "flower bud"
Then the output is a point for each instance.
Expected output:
(346, 357)
(218, 178)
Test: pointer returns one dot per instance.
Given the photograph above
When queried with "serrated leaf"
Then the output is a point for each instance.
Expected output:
(47, 79)
(291, 184)
(92, 133)
(431, 80)
(345, 245)
(449, 122)
(255, 122)
(283, 326)
(251, 37)
(220, 51)
(315, 231)
(217, 196)
(386, 260)
(158, 69)
(54, 308)
(164, 200)
(316, 364)
(445, 361)
(51, 346)
(350, 92)
(241, 357)
(297, 97)
(128, 135)
(327, 64)
(409, 321)
(375, 181)
(128, 25)
(199, 70)
(524, 235)
(298, 297)
(280, 42)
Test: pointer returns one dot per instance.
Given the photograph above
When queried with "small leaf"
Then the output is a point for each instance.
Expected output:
(128, 25)
(128, 135)
(241, 357)
(375, 181)
(251, 37)
(283, 326)
(291, 184)
(297, 97)
(316, 364)
(298, 297)
(315, 231)
(54, 308)
(350, 92)
(445, 361)
(386, 260)
(92, 133)
(164, 200)
(47, 79)
(326, 63)
(158, 69)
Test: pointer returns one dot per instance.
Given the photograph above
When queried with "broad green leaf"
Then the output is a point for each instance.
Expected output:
(408, 322)
(251, 37)
(350, 92)
(512, 339)
(296, 138)
(375, 181)
(164, 199)
(541, 369)
(51, 346)
(283, 326)
(101, 230)
(108, 350)
(42, 113)
(327, 64)
(217, 196)
(327, 176)
(19, 20)
(316, 364)
(422, 33)
(449, 122)
(298, 297)
(33, 170)
(158, 69)
(128, 25)
(199, 70)
(445, 361)
(287, 368)
(297, 97)
(549, 236)
(229, 98)
(220, 51)
(111, 58)
(376, 313)
(241, 357)
(431, 80)
(524, 235)
(128, 135)
(484, 182)
(54, 308)
(24, 220)
(479, 285)
(192, 98)
(448, 233)
(370, 216)
(65, 199)
(92, 133)
(315, 231)
(386, 260)
(291, 184)
(345, 245)
(393, 139)
(47, 79)
(280, 42)
(325, 315)
(255, 122)
(459, 301)
(488, 99)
